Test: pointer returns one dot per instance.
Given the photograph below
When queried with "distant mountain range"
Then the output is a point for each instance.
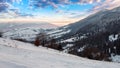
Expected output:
(17, 25)
(26, 31)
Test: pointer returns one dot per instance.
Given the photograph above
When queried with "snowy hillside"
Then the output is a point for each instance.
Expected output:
(93, 23)
(14, 54)
(98, 32)
(59, 32)
(14, 26)
(27, 34)
(26, 31)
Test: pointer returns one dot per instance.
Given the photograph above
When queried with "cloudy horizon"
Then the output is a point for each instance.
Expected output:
(58, 12)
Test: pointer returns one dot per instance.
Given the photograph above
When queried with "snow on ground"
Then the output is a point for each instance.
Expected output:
(28, 33)
(14, 54)
(113, 37)
(56, 33)
(81, 48)
(69, 40)
(66, 48)
(73, 39)
(59, 34)
(18, 25)
(116, 58)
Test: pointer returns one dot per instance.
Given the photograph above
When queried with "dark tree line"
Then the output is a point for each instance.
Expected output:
(44, 40)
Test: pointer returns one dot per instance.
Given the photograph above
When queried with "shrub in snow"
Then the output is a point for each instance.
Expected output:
(52, 44)
(37, 42)
(46, 41)
(23, 40)
(94, 53)
(0, 34)
(41, 39)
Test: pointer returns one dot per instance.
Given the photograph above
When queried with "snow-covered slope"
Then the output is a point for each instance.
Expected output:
(14, 54)
(26, 31)
(59, 32)
(93, 23)
(27, 34)
(100, 30)
(18, 25)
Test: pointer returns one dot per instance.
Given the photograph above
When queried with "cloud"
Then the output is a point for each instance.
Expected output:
(56, 3)
(14, 13)
(6, 4)
(76, 14)
(7, 10)
(3, 6)
(45, 3)
(98, 4)
(107, 4)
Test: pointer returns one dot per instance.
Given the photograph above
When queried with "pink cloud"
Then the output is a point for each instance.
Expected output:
(107, 4)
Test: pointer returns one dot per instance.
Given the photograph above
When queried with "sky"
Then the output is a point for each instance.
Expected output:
(58, 12)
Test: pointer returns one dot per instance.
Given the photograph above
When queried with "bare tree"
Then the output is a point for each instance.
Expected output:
(1, 34)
